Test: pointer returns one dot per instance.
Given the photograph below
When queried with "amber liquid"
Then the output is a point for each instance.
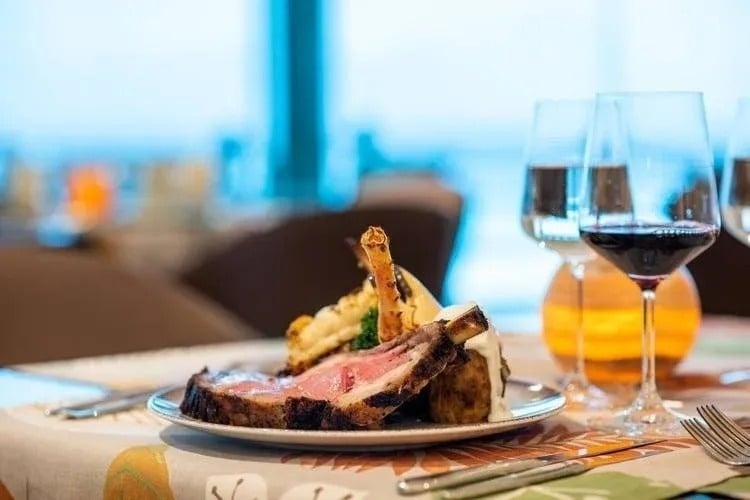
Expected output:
(612, 319)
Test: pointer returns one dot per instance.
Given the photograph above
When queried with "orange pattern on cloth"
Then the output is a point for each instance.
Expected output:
(139, 473)
(535, 440)
(4, 493)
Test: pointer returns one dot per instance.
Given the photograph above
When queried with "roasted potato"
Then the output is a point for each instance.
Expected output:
(462, 393)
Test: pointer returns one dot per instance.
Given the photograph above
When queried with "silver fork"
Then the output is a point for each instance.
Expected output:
(718, 447)
(718, 421)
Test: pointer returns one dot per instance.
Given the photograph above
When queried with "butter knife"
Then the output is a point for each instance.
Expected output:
(112, 403)
(527, 478)
(430, 482)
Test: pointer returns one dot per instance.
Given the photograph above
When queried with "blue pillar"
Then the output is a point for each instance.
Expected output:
(296, 91)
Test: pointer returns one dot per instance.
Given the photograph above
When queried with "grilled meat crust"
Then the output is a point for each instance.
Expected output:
(207, 399)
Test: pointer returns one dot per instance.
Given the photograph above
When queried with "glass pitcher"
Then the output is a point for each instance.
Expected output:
(612, 322)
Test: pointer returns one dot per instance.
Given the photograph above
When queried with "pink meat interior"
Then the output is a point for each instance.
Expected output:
(328, 381)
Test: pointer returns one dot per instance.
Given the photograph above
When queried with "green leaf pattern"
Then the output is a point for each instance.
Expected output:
(596, 486)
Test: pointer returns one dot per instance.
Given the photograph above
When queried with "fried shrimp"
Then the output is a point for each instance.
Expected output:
(374, 241)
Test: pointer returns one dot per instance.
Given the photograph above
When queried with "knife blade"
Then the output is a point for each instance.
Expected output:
(88, 403)
(430, 482)
(112, 404)
(735, 376)
(526, 478)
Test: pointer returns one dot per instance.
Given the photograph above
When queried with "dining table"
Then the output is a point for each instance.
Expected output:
(135, 454)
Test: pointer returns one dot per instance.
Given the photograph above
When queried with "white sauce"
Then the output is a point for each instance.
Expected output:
(487, 344)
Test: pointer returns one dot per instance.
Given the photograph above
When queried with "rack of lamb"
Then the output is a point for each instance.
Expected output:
(387, 346)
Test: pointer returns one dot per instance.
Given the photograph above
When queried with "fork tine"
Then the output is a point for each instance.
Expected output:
(724, 435)
(712, 445)
(688, 425)
(697, 431)
(722, 419)
(705, 445)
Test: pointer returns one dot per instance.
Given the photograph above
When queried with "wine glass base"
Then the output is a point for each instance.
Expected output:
(641, 423)
(585, 397)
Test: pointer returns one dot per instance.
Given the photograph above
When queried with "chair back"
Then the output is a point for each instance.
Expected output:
(58, 304)
(268, 278)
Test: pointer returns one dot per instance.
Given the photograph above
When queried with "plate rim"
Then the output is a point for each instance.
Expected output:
(306, 438)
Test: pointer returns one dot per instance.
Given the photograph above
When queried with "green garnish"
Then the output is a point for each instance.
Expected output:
(368, 336)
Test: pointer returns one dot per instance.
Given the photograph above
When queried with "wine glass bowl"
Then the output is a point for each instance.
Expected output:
(735, 188)
(649, 206)
(550, 209)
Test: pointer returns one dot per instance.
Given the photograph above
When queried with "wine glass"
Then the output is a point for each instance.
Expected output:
(649, 206)
(554, 164)
(735, 184)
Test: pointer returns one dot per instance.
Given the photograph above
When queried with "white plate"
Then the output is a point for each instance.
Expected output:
(529, 402)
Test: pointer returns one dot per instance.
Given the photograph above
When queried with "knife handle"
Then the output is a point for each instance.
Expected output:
(107, 407)
(112, 405)
(422, 484)
(107, 398)
(513, 481)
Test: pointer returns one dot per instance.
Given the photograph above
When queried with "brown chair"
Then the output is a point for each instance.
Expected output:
(269, 278)
(64, 304)
(722, 274)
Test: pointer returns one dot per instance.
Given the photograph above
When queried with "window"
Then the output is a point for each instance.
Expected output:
(135, 80)
(456, 81)
(445, 85)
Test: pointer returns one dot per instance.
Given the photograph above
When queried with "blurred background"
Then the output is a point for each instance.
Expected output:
(160, 133)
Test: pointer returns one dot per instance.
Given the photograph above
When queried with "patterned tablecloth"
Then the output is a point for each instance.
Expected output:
(136, 455)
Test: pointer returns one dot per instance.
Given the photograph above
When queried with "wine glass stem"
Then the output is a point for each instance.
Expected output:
(579, 371)
(649, 394)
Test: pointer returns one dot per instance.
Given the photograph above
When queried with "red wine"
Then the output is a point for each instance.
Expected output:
(649, 253)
